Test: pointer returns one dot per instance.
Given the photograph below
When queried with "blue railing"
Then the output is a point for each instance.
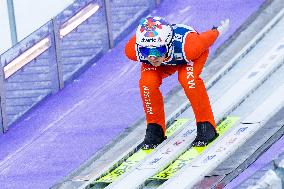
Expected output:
(43, 62)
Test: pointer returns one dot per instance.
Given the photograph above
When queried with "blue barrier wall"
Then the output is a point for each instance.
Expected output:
(64, 57)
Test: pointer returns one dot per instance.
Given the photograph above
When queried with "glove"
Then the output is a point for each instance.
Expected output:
(222, 29)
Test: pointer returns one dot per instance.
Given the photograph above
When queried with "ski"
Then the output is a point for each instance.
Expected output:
(135, 158)
(191, 153)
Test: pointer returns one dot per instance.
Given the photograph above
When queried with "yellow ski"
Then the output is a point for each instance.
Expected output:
(137, 156)
(191, 153)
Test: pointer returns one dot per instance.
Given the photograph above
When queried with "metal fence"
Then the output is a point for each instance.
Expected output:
(43, 62)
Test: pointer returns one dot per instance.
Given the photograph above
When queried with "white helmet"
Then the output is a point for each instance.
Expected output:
(155, 32)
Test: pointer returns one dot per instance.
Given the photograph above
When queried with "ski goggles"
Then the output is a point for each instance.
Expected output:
(153, 51)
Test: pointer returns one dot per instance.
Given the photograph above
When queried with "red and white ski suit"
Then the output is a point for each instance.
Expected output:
(196, 49)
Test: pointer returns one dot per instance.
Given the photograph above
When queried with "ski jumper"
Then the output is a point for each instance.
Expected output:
(187, 55)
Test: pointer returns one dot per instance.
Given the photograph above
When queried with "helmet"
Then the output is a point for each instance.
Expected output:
(154, 32)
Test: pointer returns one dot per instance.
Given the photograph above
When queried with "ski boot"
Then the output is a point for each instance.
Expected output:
(206, 133)
(154, 136)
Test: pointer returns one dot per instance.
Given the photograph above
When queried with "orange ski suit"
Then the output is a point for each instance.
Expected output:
(196, 49)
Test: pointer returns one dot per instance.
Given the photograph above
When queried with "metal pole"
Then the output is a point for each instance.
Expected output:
(56, 49)
(12, 21)
(3, 113)
(109, 25)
